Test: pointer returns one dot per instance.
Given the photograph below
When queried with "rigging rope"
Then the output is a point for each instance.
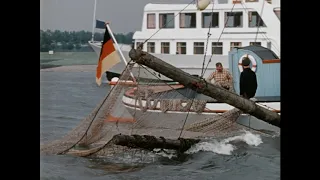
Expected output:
(185, 120)
(186, 96)
(194, 94)
(209, 34)
(218, 41)
(85, 134)
(178, 91)
(259, 21)
(166, 23)
(258, 29)
(203, 59)
(203, 70)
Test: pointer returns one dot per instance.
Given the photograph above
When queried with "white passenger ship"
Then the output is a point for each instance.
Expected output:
(178, 33)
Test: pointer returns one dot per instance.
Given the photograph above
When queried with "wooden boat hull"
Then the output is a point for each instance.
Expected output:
(175, 119)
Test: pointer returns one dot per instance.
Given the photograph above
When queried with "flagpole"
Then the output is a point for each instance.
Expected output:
(94, 18)
(121, 54)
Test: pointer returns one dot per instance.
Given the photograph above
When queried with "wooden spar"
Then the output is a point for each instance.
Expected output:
(137, 141)
(151, 142)
(201, 86)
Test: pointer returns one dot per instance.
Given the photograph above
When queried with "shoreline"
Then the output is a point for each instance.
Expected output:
(71, 68)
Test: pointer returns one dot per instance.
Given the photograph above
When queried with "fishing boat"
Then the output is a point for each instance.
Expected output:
(173, 101)
(170, 100)
(265, 63)
(173, 115)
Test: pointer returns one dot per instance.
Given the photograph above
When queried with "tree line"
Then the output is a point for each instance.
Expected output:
(75, 40)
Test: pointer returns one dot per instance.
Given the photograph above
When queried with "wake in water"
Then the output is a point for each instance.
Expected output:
(224, 146)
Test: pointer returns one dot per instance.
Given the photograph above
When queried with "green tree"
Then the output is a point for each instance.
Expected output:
(74, 40)
(78, 46)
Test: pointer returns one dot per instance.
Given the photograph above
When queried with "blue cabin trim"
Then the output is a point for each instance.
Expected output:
(267, 69)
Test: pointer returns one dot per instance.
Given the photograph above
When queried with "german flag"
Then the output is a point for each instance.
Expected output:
(108, 57)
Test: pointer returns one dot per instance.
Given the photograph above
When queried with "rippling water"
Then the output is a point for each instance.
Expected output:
(67, 97)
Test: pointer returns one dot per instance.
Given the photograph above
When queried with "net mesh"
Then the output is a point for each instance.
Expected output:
(150, 107)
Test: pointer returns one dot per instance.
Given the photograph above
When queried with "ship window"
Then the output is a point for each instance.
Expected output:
(151, 21)
(150, 47)
(221, 1)
(255, 43)
(181, 48)
(269, 45)
(206, 18)
(138, 43)
(277, 12)
(269, 1)
(255, 20)
(233, 19)
(166, 20)
(188, 20)
(217, 48)
(198, 48)
(235, 44)
(252, 0)
(165, 48)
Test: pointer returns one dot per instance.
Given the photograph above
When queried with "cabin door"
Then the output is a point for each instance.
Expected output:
(234, 66)
(234, 70)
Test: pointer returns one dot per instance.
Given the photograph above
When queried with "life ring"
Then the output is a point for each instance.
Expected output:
(253, 62)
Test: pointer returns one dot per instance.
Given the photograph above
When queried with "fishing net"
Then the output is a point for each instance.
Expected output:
(146, 110)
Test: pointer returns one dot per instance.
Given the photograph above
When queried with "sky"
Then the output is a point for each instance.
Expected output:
(75, 15)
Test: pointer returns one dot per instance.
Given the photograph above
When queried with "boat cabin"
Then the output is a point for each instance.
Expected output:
(264, 62)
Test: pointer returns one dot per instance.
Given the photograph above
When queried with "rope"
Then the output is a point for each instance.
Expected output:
(209, 34)
(168, 104)
(178, 91)
(218, 41)
(218, 122)
(85, 134)
(263, 35)
(219, 125)
(259, 22)
(203, 71)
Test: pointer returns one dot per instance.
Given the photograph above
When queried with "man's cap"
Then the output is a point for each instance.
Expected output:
(246, 61)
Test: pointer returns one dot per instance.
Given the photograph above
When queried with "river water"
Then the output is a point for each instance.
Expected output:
(68, 97)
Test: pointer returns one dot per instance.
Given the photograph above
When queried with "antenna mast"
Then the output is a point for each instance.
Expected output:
(94, 19)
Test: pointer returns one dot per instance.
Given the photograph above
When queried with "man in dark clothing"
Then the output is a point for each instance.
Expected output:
(248, 80)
